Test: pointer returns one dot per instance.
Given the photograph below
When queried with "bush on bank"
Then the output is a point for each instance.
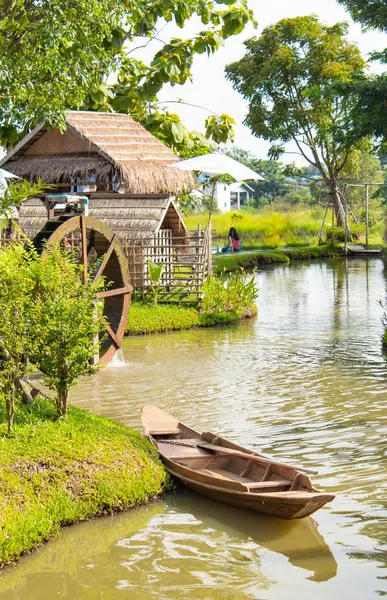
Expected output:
(57, 472)
(225, 299)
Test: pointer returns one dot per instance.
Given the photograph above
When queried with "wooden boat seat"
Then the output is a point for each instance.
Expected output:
(220, 473)
(166, 431)
(261, 485)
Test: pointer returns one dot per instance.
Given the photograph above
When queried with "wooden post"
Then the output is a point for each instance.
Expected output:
(209, 248)
(366, 189)
(322, 224)
(212, 198)
(84, 248)
(346, 220)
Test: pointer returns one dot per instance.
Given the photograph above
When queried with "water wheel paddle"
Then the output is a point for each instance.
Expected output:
(101, 253)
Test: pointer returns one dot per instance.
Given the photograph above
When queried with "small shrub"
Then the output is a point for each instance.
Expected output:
(228, 298)
(337, 234)
(271, 241)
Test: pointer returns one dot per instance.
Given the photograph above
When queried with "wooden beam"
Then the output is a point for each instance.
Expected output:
(84, 248)
(113, 336)
(116, 292)
(106, 258)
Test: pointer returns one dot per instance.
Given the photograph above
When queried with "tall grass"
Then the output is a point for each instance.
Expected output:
(274, 229)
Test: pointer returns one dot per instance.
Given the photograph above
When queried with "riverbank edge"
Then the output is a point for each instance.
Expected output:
(226, 263)
(56, 473)
(144, 318)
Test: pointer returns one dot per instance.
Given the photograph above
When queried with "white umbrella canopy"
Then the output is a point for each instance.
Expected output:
(217, 164)
(4, 175)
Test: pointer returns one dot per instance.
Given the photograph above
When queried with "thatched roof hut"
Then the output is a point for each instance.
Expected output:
(100, 148)
(130, 217)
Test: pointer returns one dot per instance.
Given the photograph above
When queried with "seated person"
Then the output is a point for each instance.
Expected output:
(234, 241)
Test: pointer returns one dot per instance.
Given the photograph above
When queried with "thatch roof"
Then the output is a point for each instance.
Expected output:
(130, 218)
(100, 144)
(135, 218)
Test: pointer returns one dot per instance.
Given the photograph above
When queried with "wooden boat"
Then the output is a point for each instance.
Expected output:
(229, 473)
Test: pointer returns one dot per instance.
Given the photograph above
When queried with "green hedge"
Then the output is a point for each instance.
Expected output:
(146, 318)
(55, 472)
(233, 261)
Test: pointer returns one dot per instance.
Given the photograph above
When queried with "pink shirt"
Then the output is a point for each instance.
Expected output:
(236, 244)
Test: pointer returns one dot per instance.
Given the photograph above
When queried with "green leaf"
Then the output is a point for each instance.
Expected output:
(177, 132)
(155, 271)
(172, 70)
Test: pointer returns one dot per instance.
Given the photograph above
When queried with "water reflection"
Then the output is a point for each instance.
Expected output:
(305, 381)
(300, 541)
(183, 543)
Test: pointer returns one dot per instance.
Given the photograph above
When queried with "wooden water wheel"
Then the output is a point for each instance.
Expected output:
(101, 254)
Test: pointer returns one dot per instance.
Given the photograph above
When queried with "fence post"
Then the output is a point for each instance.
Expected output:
(346, 220)
(366, 214)
(209, 248)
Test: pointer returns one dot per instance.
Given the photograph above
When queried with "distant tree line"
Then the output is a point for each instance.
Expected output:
(288, 184)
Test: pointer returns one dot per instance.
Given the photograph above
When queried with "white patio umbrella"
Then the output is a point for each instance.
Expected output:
(215, 165)
(4, 175)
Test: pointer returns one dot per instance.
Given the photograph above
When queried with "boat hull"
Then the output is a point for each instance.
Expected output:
(223, 471)
(272, 505)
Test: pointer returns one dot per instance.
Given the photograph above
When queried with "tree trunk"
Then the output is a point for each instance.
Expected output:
(62, 402)
(26, 394)
(337, 204)
(10, 406)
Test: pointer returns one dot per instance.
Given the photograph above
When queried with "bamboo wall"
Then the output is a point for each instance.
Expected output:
(187, 264)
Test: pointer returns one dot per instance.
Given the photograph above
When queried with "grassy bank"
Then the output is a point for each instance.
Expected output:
(259, 258)
(145, 318)
(55, 473)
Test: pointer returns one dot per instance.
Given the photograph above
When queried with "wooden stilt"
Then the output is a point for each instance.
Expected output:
(367, 201)
(322, 224)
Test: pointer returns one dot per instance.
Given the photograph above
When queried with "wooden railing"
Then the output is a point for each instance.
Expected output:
(186, 260)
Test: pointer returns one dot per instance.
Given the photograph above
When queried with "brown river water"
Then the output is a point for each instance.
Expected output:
(305, 381)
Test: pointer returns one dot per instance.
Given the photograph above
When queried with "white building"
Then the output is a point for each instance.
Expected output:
(230, 196)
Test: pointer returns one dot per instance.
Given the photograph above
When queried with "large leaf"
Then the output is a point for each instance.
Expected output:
(155, 271)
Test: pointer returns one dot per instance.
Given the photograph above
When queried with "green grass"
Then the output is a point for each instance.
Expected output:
(146, 318)
(54, 473)
(271, 229)
(232, 261)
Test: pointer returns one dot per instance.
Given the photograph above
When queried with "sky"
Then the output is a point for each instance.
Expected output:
(211, 90)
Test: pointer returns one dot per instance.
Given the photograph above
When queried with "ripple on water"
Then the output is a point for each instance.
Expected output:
(306, 382)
